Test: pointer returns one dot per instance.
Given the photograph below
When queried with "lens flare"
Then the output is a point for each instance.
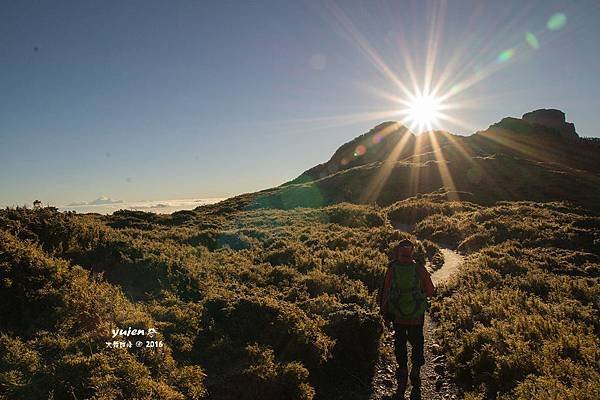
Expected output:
(532, 40)
(360, 150)
(505, 55)
(556, 21)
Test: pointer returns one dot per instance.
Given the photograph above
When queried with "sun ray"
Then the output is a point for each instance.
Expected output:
(456, 121)
(521, 147)
(365, 47)
(436, 27)
(488, 46)
(408, 63)
(443, 169)
(476, 170)
(315, 124)
(394, 98)
(377, 183)
(414, 178)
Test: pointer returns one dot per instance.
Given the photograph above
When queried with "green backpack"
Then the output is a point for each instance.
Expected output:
(406, 299)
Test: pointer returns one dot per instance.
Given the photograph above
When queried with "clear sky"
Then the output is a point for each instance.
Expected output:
(175, 99)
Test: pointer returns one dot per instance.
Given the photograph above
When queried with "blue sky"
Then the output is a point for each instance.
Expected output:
(165, 100)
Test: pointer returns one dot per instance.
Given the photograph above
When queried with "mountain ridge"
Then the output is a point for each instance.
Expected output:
(542, 123)
(538, 157)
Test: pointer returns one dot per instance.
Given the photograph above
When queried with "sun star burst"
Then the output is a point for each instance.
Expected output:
(422, 112)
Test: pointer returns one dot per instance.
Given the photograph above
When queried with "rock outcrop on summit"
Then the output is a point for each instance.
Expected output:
(547, 123)
(554, 119)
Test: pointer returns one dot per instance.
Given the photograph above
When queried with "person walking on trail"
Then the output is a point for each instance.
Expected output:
(403, 301)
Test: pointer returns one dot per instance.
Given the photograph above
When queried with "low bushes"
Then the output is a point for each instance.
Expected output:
(281, 303)
(521, 319)
(56, 319)
(250, 303)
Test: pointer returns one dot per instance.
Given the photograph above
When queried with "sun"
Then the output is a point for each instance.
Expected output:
(423, 112)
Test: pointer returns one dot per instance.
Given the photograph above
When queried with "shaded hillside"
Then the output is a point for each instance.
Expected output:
(515, 159)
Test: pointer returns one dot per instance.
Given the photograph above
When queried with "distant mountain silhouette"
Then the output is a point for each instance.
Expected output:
(537, 157)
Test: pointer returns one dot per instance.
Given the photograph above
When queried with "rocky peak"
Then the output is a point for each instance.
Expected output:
(549, 123)
(553, 119)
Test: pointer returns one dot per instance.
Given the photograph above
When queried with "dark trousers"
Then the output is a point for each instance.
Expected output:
(414, 335)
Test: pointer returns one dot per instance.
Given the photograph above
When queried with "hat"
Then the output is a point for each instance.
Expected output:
(404, 248)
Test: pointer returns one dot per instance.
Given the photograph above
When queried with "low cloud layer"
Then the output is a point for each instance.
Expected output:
(105, 205)
(102, 200)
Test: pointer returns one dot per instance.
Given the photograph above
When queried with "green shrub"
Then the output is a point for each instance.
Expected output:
(352, 216)
(356, 334)
(413, 210)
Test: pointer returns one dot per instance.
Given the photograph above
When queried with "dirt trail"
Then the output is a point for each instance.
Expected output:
(452, 261)
(436, 383)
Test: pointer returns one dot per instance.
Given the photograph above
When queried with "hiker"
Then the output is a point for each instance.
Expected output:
(403, 301)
